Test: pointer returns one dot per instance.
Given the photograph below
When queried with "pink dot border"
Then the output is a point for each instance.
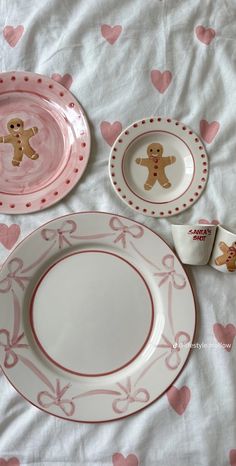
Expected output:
(197, 185)
(44, 86)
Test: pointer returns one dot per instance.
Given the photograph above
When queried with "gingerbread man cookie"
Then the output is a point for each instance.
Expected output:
(19, 138)
(228, 257)
(156, 164)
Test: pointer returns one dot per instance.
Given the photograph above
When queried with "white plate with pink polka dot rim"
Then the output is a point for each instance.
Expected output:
(158, 166)
(44, 142)
(97, 317)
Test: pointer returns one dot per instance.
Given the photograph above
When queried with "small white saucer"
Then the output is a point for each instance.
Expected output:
(158, 166)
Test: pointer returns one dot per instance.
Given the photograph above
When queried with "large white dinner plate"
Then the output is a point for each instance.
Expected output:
(158, 166)
(97, 317)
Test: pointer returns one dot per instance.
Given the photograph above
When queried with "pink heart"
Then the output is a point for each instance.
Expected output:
(13, 35)
(205, 35)
(179, 398)
(110, 33)
(209, 130)
(208, 222)
(225, 335)
(119, 460)
(11, 462)
(110, 131)
(9, 235)
(161, 80)
(232, 457)
(65, 80)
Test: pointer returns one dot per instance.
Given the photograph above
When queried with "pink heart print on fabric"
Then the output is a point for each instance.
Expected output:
(9, 235)
(119, 460)
(204, 221)
(232, 457)
(110, 131)
(205, 35)
(161, 81)
(209, 130)
(65, 80)
(225, 335)
(111, 33)
(13, 35)
(11, 462)
(179, 398)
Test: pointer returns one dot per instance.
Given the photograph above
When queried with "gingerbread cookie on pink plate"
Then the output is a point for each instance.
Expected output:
(44, 142)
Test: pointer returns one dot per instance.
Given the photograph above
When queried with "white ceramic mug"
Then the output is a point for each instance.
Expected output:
(223, 256)
(194, 243)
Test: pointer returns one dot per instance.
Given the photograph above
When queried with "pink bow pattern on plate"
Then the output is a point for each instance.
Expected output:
(136, 231)
(65, 234)
(173, 359)
(46, 399)
(62, 234)
(124, 396)
(15, 268)
(10, 342)
(177, 280)
(120, 405)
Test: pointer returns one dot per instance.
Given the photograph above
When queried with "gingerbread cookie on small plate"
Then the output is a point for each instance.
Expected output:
(156, 164)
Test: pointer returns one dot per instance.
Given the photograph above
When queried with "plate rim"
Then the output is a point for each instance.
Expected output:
(18, 209)
(195, 309)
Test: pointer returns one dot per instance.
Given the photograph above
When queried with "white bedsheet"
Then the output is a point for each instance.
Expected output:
(113, 83)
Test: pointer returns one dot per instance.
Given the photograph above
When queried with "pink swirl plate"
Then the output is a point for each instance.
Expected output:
(44, 142)
(97, 317)
(158, 166)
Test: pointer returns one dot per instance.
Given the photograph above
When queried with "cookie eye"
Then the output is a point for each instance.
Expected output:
(158, 150)
(12, 126)
(150, 150)
(18, 124)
